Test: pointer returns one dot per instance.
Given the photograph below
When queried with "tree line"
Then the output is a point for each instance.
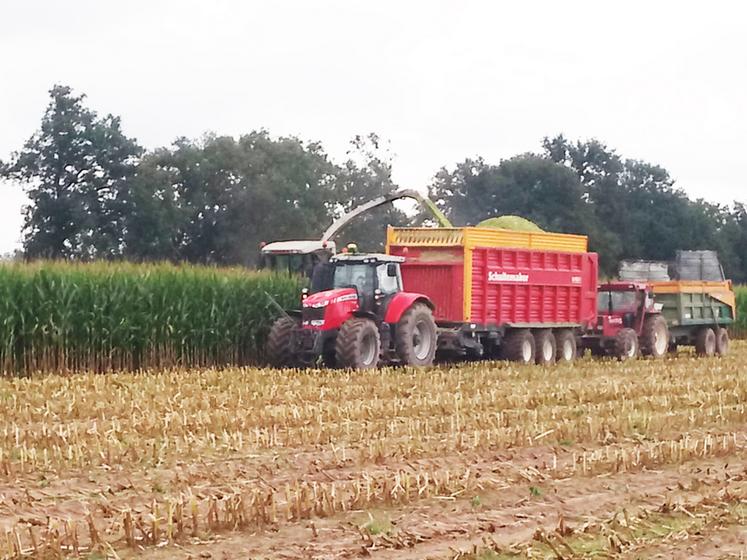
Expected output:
(97, 194)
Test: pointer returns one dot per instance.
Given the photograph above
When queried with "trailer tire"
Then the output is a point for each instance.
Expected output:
(705, 342)
(565, 343)
(278, 348)
(416, 336)
(358, 344)
(626, 345)
(519, 346)
(654, 337)
(722, 342)
(545, 347)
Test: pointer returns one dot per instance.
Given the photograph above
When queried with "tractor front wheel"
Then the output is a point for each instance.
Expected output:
(358, 344)
(626, 345)
(655, 337)
(279, 351)
(415, 337)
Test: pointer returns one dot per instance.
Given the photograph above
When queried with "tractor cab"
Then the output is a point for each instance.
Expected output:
(629, 321)
(295, 257)
(356, 314)
(621, 305)
(373, 278)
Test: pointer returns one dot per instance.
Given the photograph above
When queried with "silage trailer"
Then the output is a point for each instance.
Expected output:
(525, 296)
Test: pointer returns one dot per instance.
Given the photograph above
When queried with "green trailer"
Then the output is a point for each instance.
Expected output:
(697, 313)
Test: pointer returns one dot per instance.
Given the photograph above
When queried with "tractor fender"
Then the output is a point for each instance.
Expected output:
(401, 302)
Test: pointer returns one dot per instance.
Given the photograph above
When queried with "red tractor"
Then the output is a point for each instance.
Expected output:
(629, 322)
(356, 316)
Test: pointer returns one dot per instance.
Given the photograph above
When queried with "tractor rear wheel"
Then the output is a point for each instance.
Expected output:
(722, 342)
(565, 343)
(705, 342)
(654, 337)
(626, 345)
(415, 337)
(358, 344)
(519, 346)
(545, 347)
(278, 348)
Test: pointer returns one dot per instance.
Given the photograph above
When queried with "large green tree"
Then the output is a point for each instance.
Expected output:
(644, 215)
(76, 168)
(214, 200)
(530, 186)
(365, 175)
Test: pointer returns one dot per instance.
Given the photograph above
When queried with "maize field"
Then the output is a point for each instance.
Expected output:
(480, 461)
(740, 328)
(103, 317)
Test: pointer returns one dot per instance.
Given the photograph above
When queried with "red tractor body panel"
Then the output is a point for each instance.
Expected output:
(401, 302)
(330, 309)
(611, 324)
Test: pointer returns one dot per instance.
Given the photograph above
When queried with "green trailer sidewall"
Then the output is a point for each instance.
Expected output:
(686, 312)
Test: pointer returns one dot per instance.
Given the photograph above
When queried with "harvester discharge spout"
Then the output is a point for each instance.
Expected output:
(344, 220)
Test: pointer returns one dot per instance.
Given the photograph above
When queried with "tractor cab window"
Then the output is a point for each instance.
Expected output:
(616, 301)
(287, 263)
(355, 275)
(387, 284)
(322, 279)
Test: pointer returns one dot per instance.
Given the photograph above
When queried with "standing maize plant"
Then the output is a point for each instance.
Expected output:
(740, 326)
(103, 316)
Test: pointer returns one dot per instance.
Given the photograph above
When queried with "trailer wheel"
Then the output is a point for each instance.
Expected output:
(565, 343)
(415, 337)
(654, 337)
(626, 345)
(722, 342)
(278, 348)
(705, 342)
(519, 346)
(545, 347)
(358, 344)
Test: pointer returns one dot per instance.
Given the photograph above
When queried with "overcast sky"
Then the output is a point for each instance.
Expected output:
(661, 81)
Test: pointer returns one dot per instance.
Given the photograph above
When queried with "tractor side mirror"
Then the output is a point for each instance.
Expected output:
(391, 270)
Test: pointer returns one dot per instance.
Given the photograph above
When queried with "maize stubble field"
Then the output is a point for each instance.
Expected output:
(481, 460)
